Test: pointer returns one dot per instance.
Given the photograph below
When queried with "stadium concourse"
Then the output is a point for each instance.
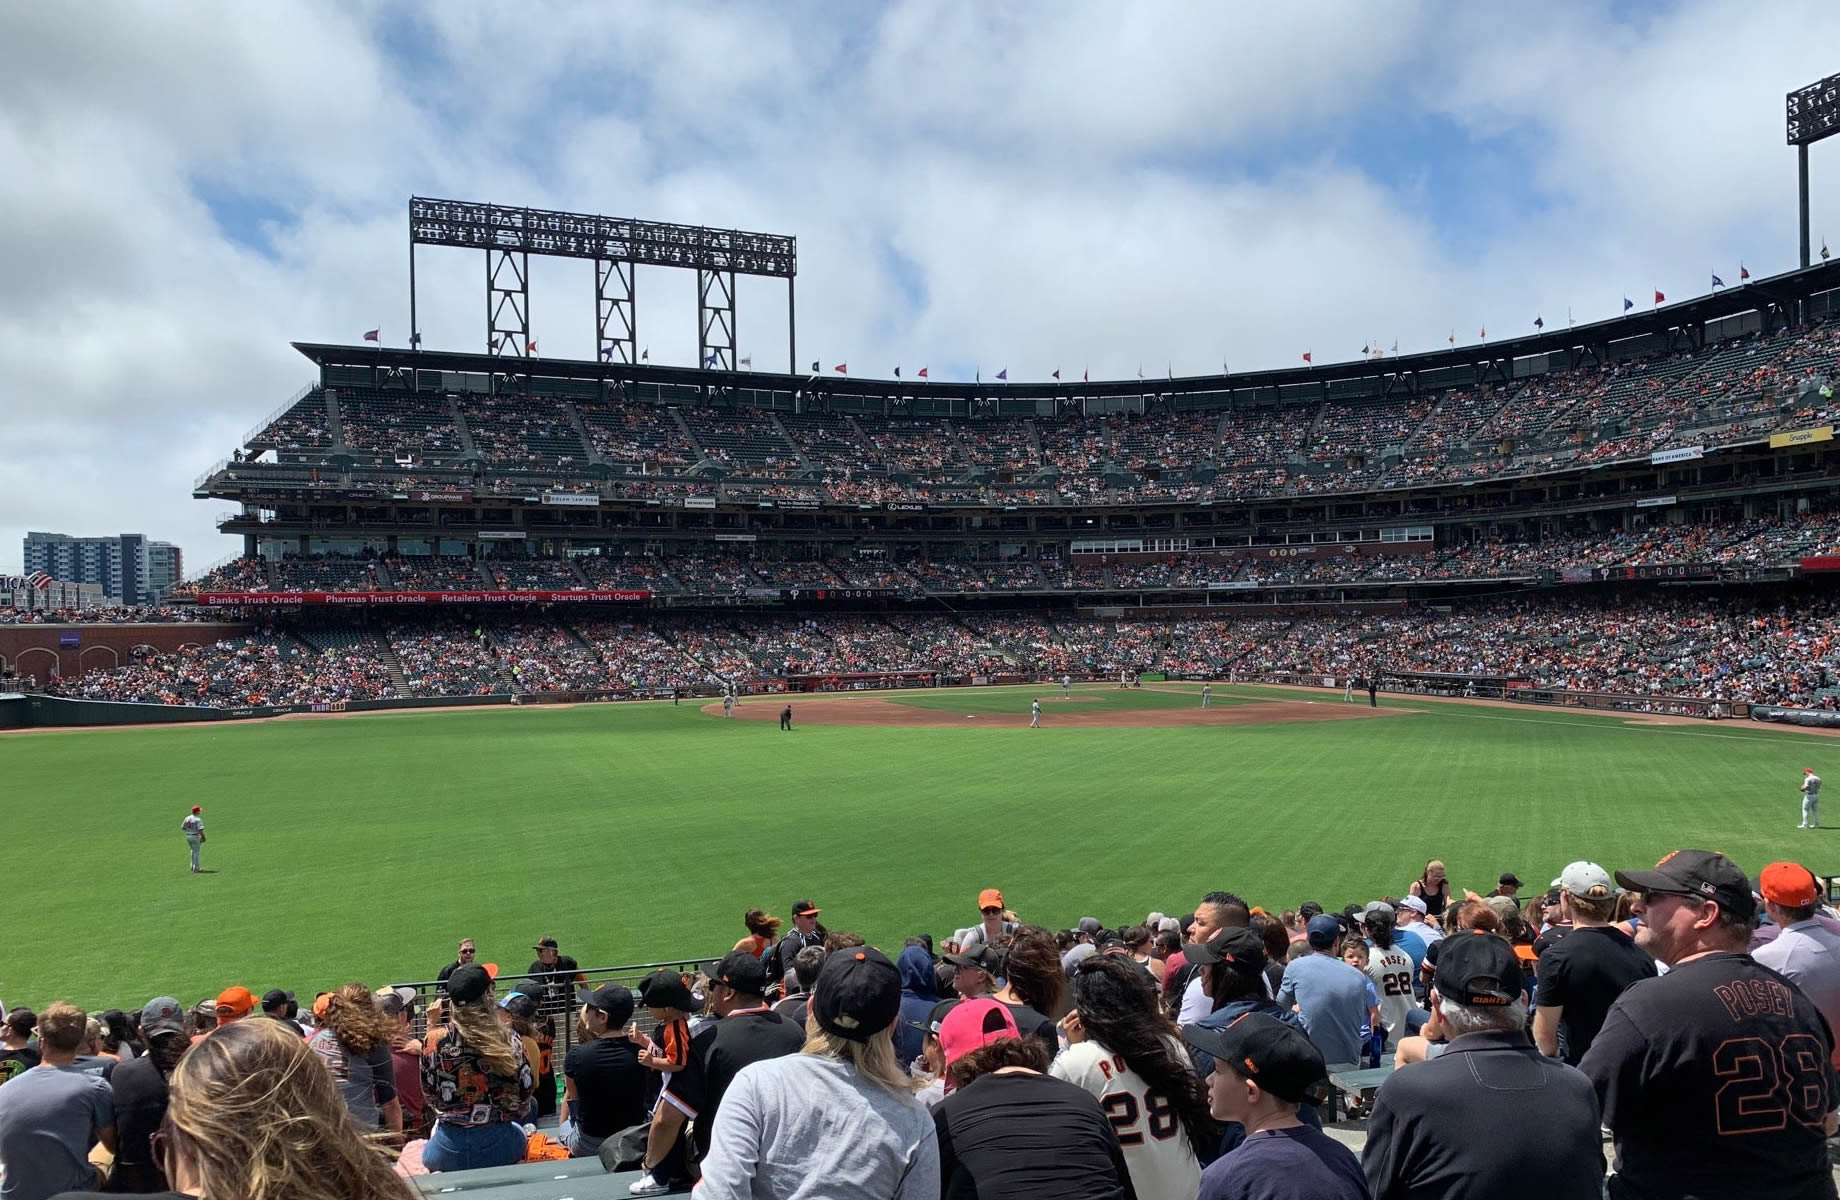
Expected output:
(1460, 1043)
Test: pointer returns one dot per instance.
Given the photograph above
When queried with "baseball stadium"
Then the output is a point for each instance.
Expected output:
(608, 652)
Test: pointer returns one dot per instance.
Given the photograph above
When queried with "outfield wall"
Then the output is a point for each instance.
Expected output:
(1518, 692)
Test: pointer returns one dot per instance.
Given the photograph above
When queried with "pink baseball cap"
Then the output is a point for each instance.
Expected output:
(972, 1024)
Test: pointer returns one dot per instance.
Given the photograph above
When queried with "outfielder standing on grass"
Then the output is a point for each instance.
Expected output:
(1811, 799)
(193, 827)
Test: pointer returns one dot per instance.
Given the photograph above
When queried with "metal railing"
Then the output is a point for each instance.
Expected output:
(296, 398)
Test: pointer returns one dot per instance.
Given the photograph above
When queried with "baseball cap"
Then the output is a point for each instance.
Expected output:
(858, 994)
(1479, 968)
(1378, 908)
(1704, 873)
(1090, 925)
(612, 999)
(1278, 1057)
(740, 970)
(392, 1000)
(1244, 948)
(276, 998)
(545, 943)
(1416, 904)
(1503, 907)
(1322, 931)
(197, 809)
(320, 1003)
(234, 1002)
(1587, 880)
(972, 1024)
(162, 1015)
(518, 1004)
(1509, 879)
(936, 1014)
(805, 908)
(983, 958)
(468, 983)
(990, 898)
(1805, 771)
(665, 989)
(1789, 884)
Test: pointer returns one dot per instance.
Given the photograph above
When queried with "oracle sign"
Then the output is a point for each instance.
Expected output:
(289, 599)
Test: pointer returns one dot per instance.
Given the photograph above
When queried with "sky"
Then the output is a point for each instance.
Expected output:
(185, 188)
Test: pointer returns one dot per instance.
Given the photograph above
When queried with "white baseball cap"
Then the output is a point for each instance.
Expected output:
(1415, 903)
(1586, 879)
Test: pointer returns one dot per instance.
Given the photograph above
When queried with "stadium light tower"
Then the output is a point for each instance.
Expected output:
(1814, 113)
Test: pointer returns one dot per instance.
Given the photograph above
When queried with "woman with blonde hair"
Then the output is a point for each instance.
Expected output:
(253, 1115)
(842, 1111)
(763, 932)
(477, 1080)
(354, 1041)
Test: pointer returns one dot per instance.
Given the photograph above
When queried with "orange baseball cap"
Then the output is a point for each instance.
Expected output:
(320, 1004)
(492, 970)
(1789, 884)
(234, 1002)
(990, 898)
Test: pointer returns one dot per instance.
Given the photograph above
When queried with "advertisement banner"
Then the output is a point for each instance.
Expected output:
(500, 535)
(572, 499)
(1654, 502)
(441, 496)
(1802, 437)
(289, 599)
(1677, 454)
(1821, 562)
(699, 501)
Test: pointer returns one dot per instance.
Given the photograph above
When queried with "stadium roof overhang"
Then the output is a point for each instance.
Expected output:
(1778, 294)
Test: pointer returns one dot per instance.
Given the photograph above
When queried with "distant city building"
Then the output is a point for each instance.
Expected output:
(130, 568)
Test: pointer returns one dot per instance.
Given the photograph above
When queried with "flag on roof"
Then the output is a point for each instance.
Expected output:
(922, 374)
(1140, 369)
(645, 355)
(712, 358)
(815, 367)
(1744, 272)
(1539, 322)
(415, 339)
(1306, 358)
(748, 361)
(1395, 346)
(1085, 375)
(1363, 349)
(372, 336)
(1003, 374)
(1717, 282)
(1057, 372)
(1483, 333)
(607, 351)
(1452, 339)
(1823, 249)
(897, 371)
(1659, 296)
(842, 368)
(532, 346)
(1628, 304)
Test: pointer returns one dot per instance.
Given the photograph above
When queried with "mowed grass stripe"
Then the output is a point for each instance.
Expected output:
(364, 846)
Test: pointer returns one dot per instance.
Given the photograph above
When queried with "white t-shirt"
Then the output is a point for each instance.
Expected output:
(1391, 971)
(1163, 1164)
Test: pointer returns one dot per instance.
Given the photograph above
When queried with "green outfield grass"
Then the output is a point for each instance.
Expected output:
(1087, 698)
(364, 846)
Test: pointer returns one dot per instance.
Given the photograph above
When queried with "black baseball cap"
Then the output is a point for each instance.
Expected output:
(802, 908)
(665, 988)
(1706, 874)
(469, 982)
(983, 958)
(1243, 948)
(1280, 1058)
(740, 970)
(936, 1014)
(858, 994)
(610, 998)
(1509, 879)
(276, 998)
(1479, 969)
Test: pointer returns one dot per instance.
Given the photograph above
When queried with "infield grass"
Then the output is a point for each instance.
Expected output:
(365, 846)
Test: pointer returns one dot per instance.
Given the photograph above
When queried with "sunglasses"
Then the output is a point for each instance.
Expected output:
(1649, 897)
(988, 911)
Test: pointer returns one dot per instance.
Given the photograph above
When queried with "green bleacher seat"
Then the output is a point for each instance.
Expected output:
(576, 1178)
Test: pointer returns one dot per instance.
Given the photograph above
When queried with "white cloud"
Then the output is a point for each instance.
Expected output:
(1010, 185)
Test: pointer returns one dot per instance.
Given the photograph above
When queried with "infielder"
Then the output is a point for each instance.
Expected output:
(1034, 714)
(728, 704)
(1066, 686)
(1348, 692)
(1811, 799)
(193, 827)
(1207, 694)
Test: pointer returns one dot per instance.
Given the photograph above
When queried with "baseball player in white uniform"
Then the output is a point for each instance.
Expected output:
(193, 828)
(1348, 692)
(728, 704)
(1034, 714)
(1066, 686)
(1207, 694)
(1811, 799)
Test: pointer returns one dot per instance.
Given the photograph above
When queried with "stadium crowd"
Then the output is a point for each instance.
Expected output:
(1725, 647)
(1486, 1039)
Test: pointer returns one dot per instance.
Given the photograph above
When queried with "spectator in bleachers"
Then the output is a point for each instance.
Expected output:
(762, 933)
(1000, 1097)
(839, 1119)
(397, 1007)
(1330, 995)
(477, 1078)
(354, 1041)
(52, 1116)
(604, 1087)
(17, 1051)
(253, 1113)
(140, 1093)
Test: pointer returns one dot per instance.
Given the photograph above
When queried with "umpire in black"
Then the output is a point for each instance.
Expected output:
(1527, 1126)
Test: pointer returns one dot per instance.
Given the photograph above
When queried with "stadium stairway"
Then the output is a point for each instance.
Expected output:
(335, 420)
(452, 404)
(785, 434)
(1034, 440)
(581, 429)
(683, 427)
